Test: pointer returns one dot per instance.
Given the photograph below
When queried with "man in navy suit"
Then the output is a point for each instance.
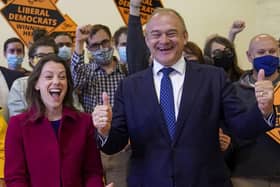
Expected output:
(202, 96)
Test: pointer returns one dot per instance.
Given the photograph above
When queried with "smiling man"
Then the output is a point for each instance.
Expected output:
(171, 113)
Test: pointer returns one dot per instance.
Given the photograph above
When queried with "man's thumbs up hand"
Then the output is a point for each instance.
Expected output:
(261, 76)
(264, 93)
(102, 116)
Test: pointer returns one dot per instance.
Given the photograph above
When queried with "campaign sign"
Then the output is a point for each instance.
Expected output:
(25, 16)
(146, 9)
(68, 26)
(8, 1)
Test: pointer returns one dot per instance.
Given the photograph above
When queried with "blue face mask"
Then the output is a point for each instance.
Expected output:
(65, 53)
(268, 63)
(122, 54)
(14, 61)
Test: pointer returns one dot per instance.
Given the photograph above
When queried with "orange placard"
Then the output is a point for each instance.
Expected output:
(8, 1)
(275, 133)
(146, 9)
(25, 16)
(68, 26)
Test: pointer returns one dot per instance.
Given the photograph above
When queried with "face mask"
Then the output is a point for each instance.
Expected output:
(102, 56)
(14, 61)
(122, 54)
(268, 63)
(223, 60)
(64, 52)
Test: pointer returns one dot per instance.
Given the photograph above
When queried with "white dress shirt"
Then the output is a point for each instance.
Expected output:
(177, 78)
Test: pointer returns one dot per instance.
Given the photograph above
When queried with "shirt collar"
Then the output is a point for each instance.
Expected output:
(179, 66)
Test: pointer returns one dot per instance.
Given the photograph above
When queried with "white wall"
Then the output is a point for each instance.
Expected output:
(203, 17)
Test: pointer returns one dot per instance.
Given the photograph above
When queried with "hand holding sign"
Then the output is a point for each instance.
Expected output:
(264, 94)
(102, 116)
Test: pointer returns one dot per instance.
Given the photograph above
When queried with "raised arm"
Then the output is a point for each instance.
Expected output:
(137, 51)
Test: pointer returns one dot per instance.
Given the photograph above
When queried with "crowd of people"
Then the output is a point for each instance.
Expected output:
(163, 112)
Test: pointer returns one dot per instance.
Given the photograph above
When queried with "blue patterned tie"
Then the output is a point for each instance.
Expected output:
(167, 101)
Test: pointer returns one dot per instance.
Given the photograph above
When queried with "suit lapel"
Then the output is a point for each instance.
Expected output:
(190, 89)
(152, 102)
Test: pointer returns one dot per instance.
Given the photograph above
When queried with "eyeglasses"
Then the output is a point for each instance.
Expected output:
(15, 50)
(218, 53)
(104, 43)
(61, 44)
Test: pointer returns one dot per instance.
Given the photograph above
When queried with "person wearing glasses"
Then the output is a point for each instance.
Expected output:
(103, 73)
(223, 54)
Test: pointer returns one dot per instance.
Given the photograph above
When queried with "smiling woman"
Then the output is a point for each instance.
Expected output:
(51, 122)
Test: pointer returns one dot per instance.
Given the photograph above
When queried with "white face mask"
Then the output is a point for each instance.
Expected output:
(102, 56)
(65, 52)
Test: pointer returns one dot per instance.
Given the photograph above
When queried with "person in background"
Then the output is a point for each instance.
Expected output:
(223, 54)
(64, 43)
(37, 33)
(102, 74)
(256, 160)
(193, 53)
(7, 77)
(173, 129)
(14, 54)
(39, 147)
(120, 38)
(16, 99)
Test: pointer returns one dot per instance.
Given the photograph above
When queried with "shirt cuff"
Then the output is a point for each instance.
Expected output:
(102, 140)
(270, 120)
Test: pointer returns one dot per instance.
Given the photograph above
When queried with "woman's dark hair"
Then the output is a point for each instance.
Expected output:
(33, 96)
(43, 41)
(235, 71)
(192, 48)
(118, 33)
(39, 33)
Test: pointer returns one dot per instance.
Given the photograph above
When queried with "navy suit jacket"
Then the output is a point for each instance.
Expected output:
(193, 158)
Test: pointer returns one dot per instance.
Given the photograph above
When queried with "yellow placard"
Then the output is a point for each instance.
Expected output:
(146, 9)
(68, 26)
(25, 16)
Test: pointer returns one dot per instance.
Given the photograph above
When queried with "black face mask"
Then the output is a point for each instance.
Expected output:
(223, 59)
